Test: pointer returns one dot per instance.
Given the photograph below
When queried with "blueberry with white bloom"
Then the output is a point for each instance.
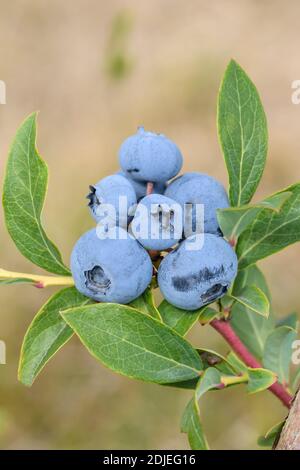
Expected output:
(146, 156)
(112, 269)
(114, 195)
(190, 279)
(199, 188)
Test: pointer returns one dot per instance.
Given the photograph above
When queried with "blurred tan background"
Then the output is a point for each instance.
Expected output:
(96, 70)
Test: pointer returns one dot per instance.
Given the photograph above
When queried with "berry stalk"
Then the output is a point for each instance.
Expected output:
(224, 328)
(149, 189)
(36, 279)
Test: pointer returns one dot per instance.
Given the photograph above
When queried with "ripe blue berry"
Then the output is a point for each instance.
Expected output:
(155, 224)
(199, 188)
(146, 156)
(190, 279)
(108, 191)
(110, 270)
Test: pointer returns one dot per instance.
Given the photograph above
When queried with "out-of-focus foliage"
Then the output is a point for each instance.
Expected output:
(118, 62)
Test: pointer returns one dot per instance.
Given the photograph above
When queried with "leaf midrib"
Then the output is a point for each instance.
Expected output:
(37, 219)
(121, 339)
(242, 139)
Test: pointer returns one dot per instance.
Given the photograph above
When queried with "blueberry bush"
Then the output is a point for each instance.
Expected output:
(106, 299)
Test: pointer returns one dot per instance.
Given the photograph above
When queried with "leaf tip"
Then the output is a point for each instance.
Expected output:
(32, 117)
(27, 381)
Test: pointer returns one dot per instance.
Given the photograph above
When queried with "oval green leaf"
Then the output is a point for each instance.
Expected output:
(252, 329)
(278, 351)
(178, 319)
(243, 135)
(234, 220)
(254, 299)
(191, 425)
(260, 379)
(47, 333)
(270, 231)
(24, 192)
(145, 303)
(134, 344)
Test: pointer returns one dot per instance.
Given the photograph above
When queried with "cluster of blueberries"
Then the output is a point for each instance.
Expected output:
(143, 214)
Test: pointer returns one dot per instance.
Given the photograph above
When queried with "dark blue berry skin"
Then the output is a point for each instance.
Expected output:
(190, 279)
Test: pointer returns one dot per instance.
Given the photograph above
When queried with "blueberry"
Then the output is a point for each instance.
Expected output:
(140, 187)
(157, 223)
(108, 191)
(199, 188)
(110, 270)
(190, 279)
(147, 156)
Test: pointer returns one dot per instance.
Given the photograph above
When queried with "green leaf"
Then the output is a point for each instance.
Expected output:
(207, 314)
(252, 276)
(47, 333)
(213, 359)
(24, 191)
(252, 329)
(191, 425)
(270, 232)
(185, 385)
(275, 201)
(254, 299)
(290, 320)
(234, 220)
(242, 132)
(145, 303)
(260, 379)
(134, 344)
(269, 438)
(179, 320)
(236, 363)
(227, 301)
(278, 351)
(211, 379)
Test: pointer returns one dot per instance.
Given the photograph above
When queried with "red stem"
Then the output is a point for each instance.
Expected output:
(149, 189)
(225, 329)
